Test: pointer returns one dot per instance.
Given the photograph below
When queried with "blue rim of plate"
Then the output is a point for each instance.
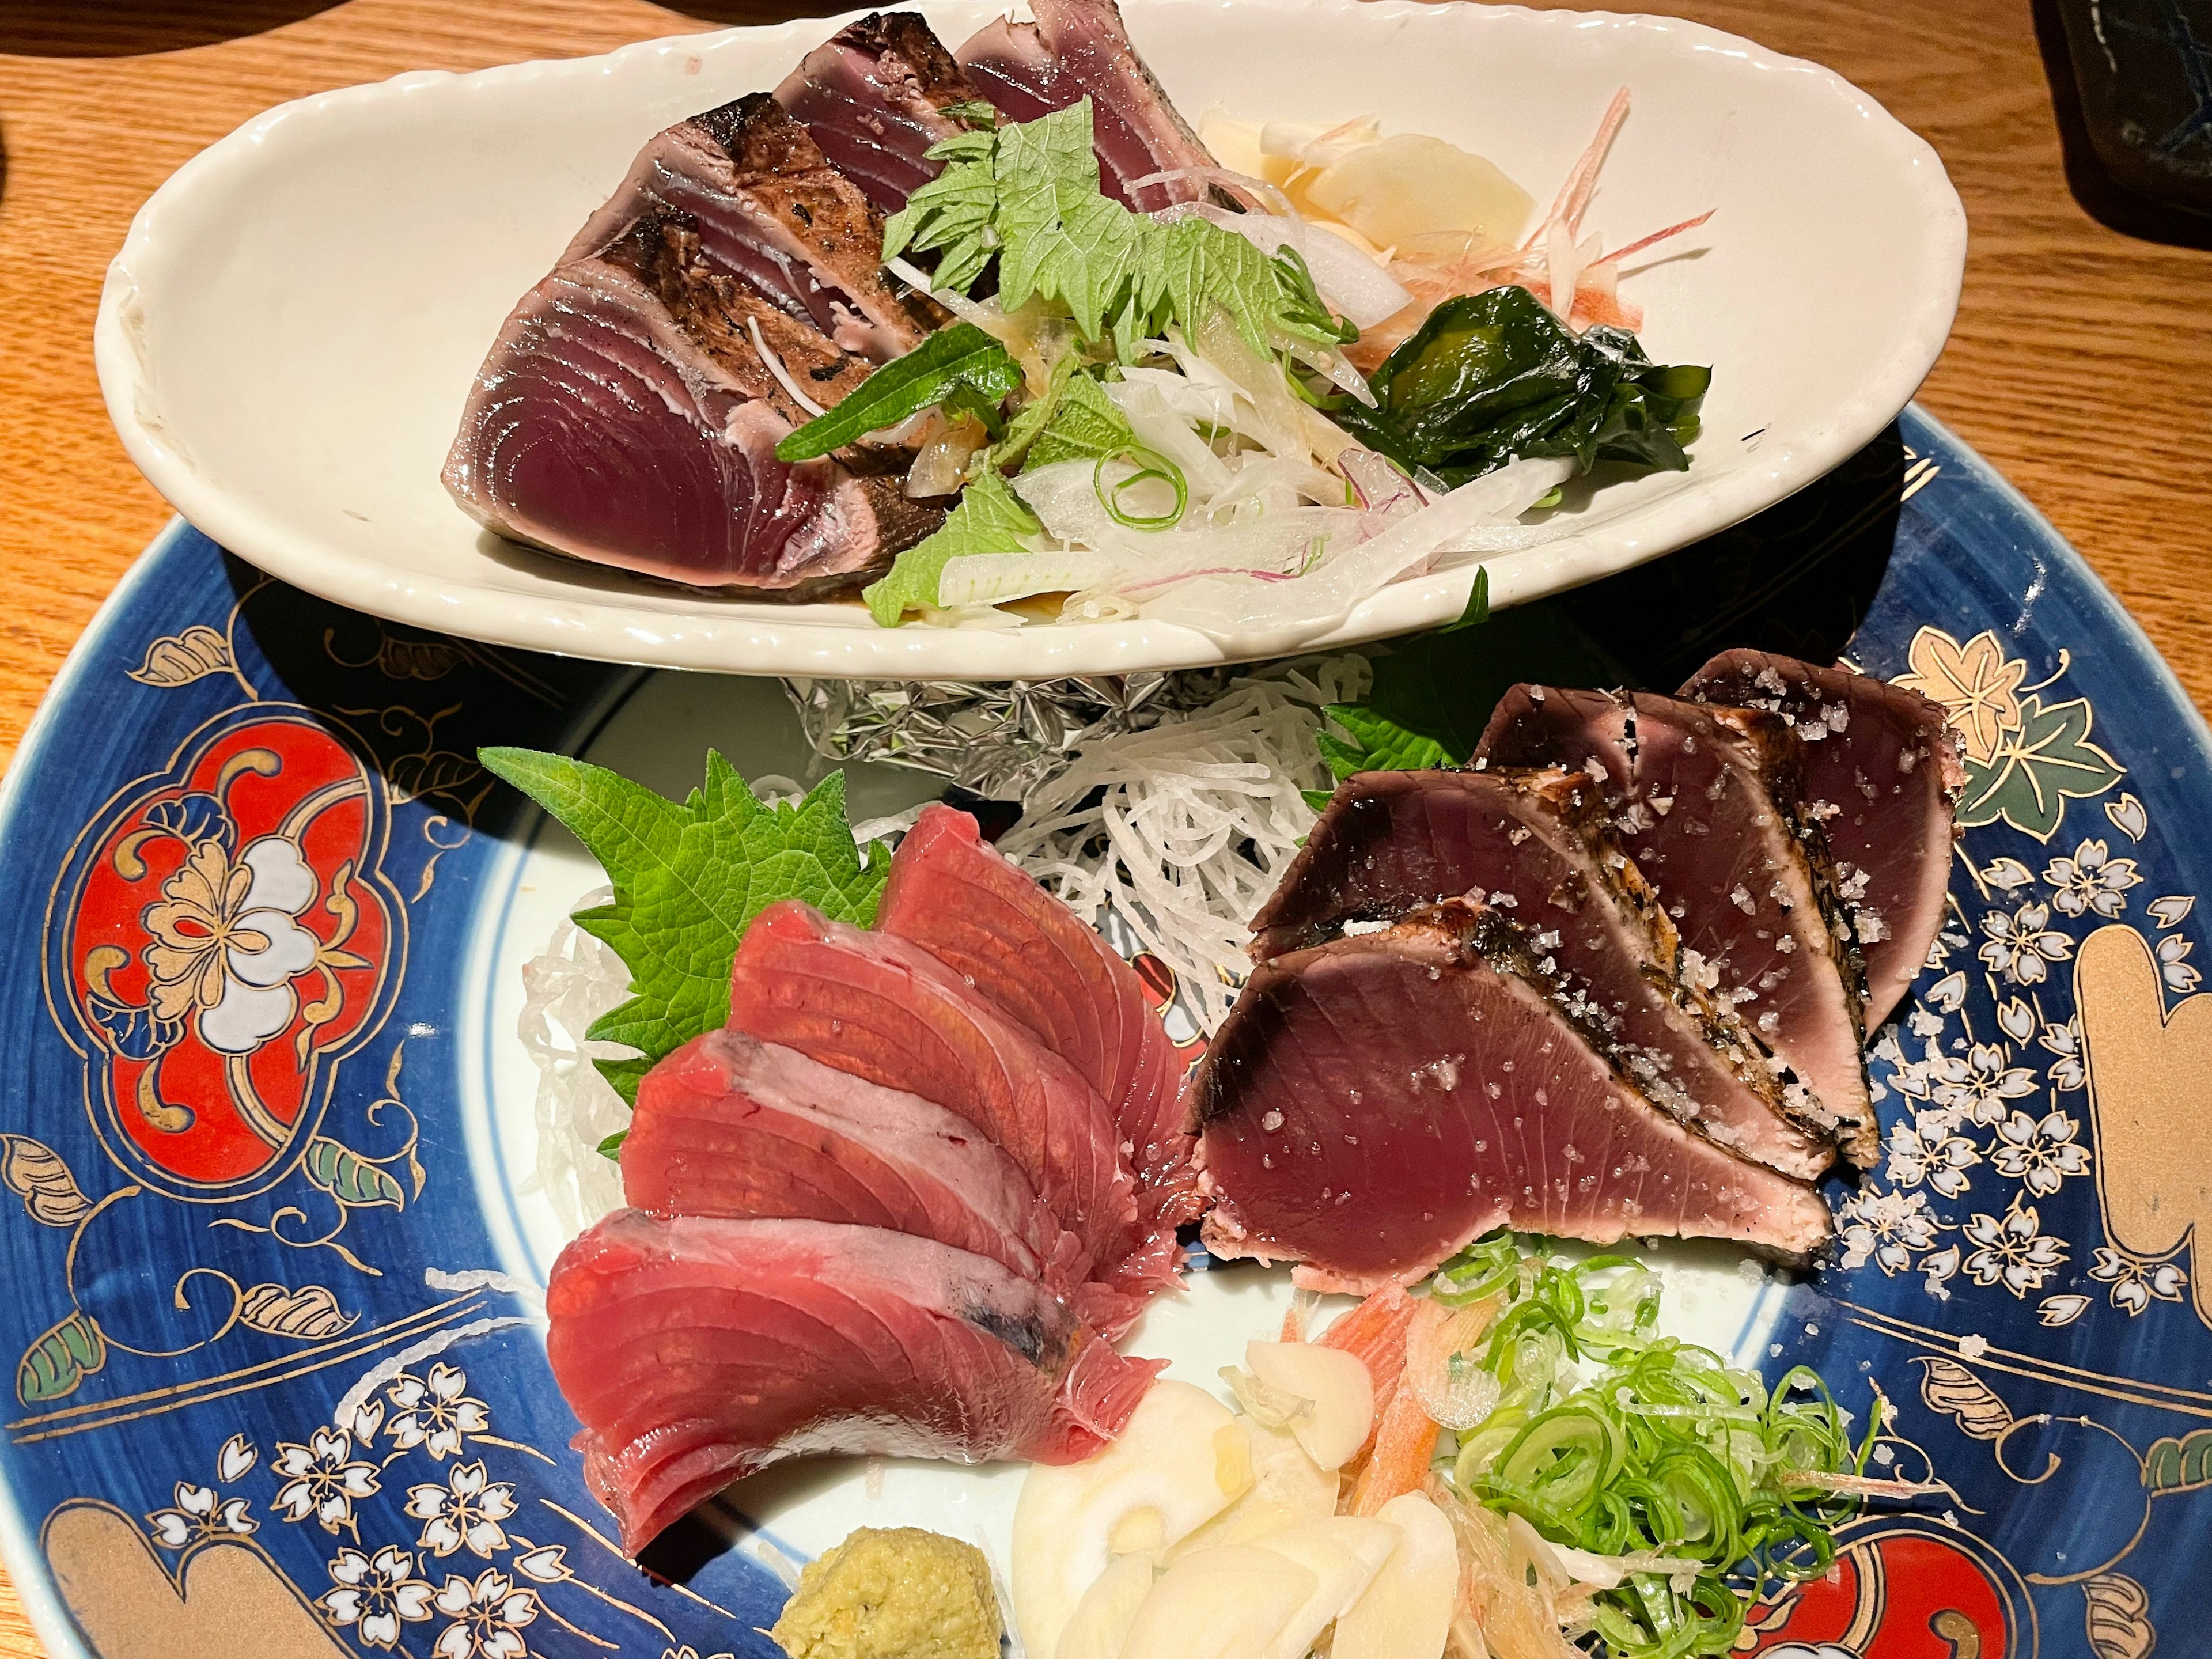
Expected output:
(238, 1176)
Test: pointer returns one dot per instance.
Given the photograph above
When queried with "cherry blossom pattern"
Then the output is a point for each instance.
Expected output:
(465, 1512)
(687, 1651)
(435, 1413)
(489, 1615)
(2039, 1152)
(376, 1595)
(2063, 1039)
(2092, 881)
(321, 1478)
(199, 1514)
(1939, 1269)
(1925, 1149)
(225, 942)
(2173, 966)
(2171, 911)
(1977, 1084)
(2057, 1311)
(2021, 945)
(2016, 1019)
(1885, 1228)
(2007, 875)
(2127, 813)
(2013, 1251)
(2135, 1283)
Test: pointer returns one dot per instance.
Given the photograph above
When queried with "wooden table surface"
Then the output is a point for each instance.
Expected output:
(2081, 364)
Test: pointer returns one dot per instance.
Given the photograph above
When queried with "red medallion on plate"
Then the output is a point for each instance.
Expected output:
(229, 935)
(1905, 1588)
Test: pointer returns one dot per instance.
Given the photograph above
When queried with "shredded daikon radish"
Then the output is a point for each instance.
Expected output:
(1183, 831)
(575, 981)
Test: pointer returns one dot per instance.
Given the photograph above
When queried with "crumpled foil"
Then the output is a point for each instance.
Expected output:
(1001, 740)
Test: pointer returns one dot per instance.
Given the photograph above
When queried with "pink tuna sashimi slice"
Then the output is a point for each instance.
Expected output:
(1883, 774)
(883, 1008)
(696, 1350)
(957, 898)
(1372, 1104)
(1078, 49)
(729, 1126)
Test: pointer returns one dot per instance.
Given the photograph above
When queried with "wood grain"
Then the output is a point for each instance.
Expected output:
(2081, 365)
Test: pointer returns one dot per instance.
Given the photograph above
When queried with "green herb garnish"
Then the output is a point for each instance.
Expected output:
(960, 367)
(1609, 1438)
(1027, 198)
(689, 878)
(1084, 426)
(1493, 376)
(988, 519)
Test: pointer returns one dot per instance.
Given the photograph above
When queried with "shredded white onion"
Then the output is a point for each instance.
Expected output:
(1194, 821)
(783, 375)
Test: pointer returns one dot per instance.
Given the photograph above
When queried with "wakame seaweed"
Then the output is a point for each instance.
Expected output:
(1493, 376)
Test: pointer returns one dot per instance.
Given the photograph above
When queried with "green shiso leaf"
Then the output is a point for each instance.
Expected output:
(988, 519)
(959, 364)
(1027, 196)
(1084, 426)
(689, 878)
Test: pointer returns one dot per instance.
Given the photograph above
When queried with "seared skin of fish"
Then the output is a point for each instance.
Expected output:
(1535, 845)
(1373, 1104)
(1078, 49)
(1882, 775)
(1709, 801)
(873, 98)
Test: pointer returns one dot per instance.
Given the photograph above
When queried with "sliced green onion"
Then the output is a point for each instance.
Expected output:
(1150, 465)
(1611, 1438)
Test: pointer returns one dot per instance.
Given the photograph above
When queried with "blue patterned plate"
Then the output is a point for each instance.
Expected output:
(276, 1216)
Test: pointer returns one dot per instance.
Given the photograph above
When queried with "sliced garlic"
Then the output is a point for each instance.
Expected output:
(1099, 1627)
(1338, 1385)
(1228, 1603)
(1155, 1483)
(1287, 1487)
(1344, 1553)
(1406, 1612)
(1409, 185)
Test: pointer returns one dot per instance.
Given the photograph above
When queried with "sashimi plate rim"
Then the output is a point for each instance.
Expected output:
(608, 614)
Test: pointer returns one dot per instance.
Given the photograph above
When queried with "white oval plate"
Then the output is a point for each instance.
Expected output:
(288, 335)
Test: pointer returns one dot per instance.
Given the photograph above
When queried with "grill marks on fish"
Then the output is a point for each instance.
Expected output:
(600, 428)
(696, 1350)
(1374, 1102)
(1534, 843)
(1080, 48)
(954, 894)
(1881, 776)
(873, 99)
(1709, 802)
(769, 210)
(719, 312)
